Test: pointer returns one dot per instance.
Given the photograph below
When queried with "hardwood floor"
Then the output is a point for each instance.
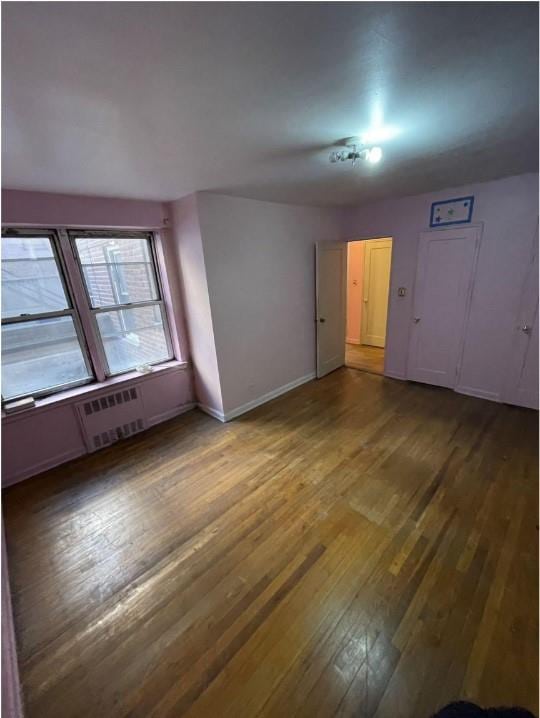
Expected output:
(365, 358)
(358, 547)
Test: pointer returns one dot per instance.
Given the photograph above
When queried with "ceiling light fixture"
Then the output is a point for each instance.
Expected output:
(374, 155)
(354, 150)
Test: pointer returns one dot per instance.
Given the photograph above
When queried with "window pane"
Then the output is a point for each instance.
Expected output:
(31, 282)
(39, 355)
(132, 337)
(117, 271)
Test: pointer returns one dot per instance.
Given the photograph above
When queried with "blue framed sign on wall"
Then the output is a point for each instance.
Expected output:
(451, 211)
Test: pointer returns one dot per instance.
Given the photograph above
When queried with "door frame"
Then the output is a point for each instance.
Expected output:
(387, 235)
(479, 226)
(508, 393)
(362, 323)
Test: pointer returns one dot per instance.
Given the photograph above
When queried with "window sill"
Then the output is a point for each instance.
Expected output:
(73, 395)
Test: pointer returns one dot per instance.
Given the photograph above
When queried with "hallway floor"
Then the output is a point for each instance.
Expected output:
(365, 358)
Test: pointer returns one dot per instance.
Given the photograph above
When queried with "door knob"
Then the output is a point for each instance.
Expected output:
(322, 320)
(416, 320)
(526, 328)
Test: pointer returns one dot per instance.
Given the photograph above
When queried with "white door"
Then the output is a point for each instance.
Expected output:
(377, 260)
(444, 274)
(331, 301)
(522, 379)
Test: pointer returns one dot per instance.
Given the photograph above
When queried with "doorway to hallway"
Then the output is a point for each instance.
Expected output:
(365, 358)
(368, 285)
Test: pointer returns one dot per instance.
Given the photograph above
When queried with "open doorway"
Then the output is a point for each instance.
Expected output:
(368, 286)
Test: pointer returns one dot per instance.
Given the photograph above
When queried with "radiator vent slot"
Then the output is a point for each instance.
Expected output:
(120, 432)
(111, 417)
(107, 402)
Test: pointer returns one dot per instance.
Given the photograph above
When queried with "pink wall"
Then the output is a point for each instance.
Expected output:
(53, 210)
(260, 265)
(49, 434)
(248, 279)
(192, 268)
(44, 209)
(355, 290)
(11, 689)
(508, 210)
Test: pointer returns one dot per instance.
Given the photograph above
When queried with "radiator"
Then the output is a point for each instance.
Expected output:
(111, 417)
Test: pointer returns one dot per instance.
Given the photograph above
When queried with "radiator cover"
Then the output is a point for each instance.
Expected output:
(111, 417)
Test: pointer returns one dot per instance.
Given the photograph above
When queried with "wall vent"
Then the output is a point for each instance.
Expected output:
(111, 417)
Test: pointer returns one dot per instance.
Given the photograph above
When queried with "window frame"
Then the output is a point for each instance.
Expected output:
(70, 310)
(149, 236)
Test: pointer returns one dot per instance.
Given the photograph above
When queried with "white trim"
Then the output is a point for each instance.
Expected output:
(211, 412)
(352, 341)
(479, 393)
(248, 406)
(461, 225)
(170, 414)
(395, 375)
(269, 396)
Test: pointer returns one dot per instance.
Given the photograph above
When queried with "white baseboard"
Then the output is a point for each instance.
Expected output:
(248, 406)
(269, 396)
(352, 341)
(479, 393)
(152, 421)
(211, 412)
(468, 390)
(395, 375)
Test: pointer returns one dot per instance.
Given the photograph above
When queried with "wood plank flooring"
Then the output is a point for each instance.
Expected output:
(359, 547)
(365, 358)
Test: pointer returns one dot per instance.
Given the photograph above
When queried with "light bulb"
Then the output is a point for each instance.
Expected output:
(374, 155)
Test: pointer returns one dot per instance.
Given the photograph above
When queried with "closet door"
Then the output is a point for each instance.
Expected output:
(522, 379)
(444, 274)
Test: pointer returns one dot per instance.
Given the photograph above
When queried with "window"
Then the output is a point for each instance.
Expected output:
(122, 287)
(66, 321)
(42, 347)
